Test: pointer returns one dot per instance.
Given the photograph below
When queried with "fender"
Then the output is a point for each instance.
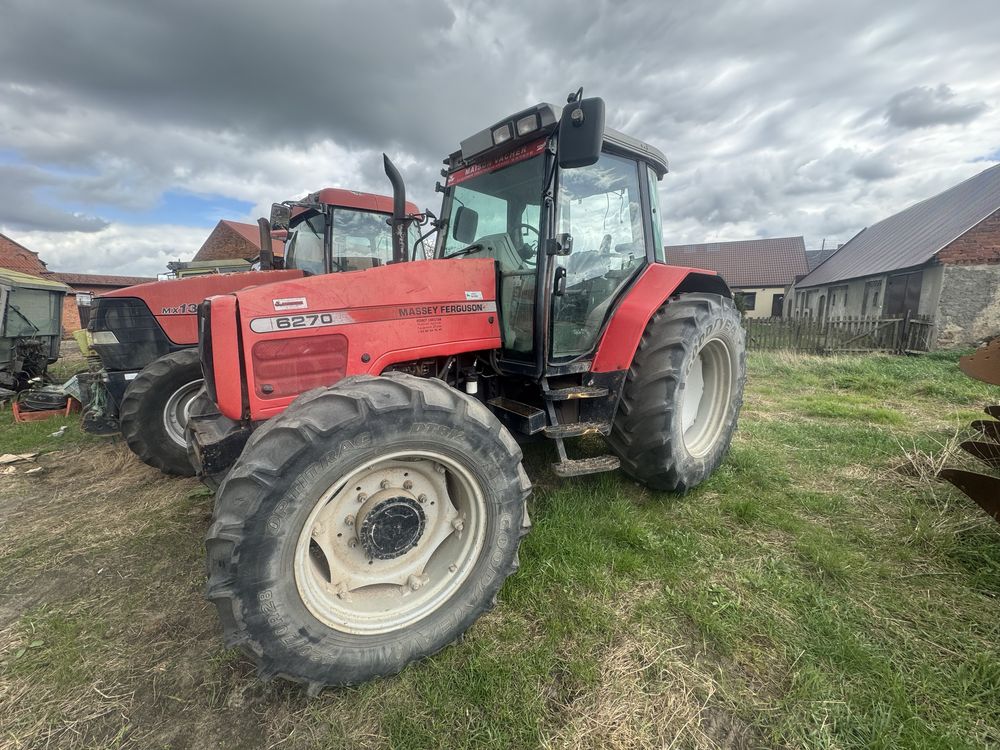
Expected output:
(654, 286)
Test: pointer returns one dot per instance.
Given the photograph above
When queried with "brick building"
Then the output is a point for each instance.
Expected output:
(939, 258)
(233, 239)
(84, 286)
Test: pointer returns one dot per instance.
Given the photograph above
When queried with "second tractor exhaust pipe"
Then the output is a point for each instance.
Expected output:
(399, 221)
(266, 251)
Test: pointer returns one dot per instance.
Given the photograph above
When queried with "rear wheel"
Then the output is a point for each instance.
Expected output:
(155, 408)
(367, 526)
(683, 393)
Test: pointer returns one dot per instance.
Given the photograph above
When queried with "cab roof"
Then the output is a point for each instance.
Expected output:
(357, 200)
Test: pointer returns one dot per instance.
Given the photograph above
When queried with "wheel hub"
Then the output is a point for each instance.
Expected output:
(391, 527)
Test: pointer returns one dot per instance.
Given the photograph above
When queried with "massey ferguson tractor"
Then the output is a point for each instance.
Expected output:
(146, 336)
(377, 499)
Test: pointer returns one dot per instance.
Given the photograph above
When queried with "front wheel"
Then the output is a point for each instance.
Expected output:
(367, 526)
(683, 393)
(154, 411)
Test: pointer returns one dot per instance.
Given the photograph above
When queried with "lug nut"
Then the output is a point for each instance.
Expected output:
(317, 529)
(362, 497)
(353, 543)
(422, 498)
(384, 484)
(458, 524)
(407, 485)
(349, 521)
(452, 568)
(439, 469)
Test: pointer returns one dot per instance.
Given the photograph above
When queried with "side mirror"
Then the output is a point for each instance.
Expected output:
(281, 216)
(266, 252)
(464, 225)
(581, 133)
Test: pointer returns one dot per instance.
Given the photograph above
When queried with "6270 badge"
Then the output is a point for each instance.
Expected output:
(292, 322)
(185, 308)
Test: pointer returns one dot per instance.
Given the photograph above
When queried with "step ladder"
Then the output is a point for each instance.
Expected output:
(570, 467)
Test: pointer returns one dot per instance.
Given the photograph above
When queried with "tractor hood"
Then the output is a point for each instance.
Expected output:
(310, 332)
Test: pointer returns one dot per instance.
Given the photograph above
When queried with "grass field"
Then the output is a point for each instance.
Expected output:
(819, 591)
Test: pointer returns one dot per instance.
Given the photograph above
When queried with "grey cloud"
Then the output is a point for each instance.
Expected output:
(923, 107)
(21, 208)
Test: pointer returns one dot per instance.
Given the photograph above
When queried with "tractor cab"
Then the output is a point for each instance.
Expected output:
(568, 231)
(338, 230)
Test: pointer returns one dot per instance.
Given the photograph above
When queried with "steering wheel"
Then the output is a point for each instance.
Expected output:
(526, 256)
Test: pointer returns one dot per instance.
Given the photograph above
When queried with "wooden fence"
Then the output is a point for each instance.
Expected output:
(840, 335)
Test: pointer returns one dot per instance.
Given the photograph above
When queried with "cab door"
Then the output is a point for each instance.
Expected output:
(605, 208)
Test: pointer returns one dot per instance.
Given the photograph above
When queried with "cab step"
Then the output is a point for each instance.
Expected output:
(576, 429)
(575, 391)
(578, 467)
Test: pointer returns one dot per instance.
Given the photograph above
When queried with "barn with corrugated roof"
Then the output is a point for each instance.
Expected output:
(939, 258)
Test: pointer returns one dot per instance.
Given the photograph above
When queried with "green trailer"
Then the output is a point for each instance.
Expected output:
(30, 326)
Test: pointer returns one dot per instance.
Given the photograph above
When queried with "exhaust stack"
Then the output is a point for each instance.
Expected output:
(266, 253)
(399, 221)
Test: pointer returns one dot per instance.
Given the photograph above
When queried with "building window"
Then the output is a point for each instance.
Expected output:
(84, 298)
(746, 301)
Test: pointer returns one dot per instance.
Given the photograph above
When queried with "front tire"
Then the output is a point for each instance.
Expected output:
(154, 411)
(683, 393)
(367, 526)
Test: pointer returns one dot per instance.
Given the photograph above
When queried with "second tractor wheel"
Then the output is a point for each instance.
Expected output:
(683, 393)
(154, 411)
(367, 526)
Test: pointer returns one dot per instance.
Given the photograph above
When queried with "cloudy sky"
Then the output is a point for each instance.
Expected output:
(127, 129)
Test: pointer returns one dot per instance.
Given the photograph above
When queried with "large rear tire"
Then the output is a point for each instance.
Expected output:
(154, 411)
(683, 393)
(367, 526)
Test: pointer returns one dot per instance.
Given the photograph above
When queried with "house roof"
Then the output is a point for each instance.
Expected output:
(914, 235)
(774, 261)
(93, 279)
(251, 233)
(17, 257)
(16, 278)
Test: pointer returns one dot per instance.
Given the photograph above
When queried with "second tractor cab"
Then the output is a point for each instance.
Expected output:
(379, 504)
(146, 336)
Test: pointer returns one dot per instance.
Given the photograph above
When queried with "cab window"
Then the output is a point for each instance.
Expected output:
(304, 249)
(600, 207)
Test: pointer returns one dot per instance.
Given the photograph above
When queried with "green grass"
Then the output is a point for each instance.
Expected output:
(807, 595)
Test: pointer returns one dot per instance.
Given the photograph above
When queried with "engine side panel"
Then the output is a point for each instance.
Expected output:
(621, 337)
(174, 302)
(314, 331)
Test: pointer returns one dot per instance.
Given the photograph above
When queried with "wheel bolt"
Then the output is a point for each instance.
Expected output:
(414, 582)
(458, 524)
(349, 521)
(407, 485)
(422, 498)
(439, 469)
(317, 529)
(384, 484)
(353, 543)
(452, 568)
(362, 497)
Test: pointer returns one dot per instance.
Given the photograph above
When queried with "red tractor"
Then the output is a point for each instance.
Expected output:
(146, 336)
(378, 499)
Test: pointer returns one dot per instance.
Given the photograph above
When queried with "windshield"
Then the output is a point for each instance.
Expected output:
(304, 248)
(359, 240)
(500, 215)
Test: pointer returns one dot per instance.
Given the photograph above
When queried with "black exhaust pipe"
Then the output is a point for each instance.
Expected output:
(266, 252)
(400, 221)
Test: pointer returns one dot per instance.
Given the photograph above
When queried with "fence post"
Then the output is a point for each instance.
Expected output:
(904, 332)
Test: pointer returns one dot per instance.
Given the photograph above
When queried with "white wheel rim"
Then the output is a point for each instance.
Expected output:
(177, 411)
(348, 589)
(708, 390)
